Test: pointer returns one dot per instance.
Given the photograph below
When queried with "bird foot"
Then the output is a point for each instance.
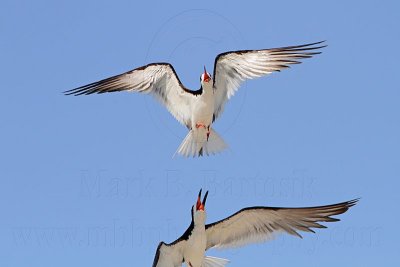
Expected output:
(198, 125)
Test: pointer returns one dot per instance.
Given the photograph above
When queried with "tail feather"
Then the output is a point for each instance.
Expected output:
(214, 262)
(196, 144)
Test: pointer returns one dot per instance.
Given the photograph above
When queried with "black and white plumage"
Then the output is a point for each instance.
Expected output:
(249, 225)
(198, 109)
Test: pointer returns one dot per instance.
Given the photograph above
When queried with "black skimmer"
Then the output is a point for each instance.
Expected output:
(198, 109)
(249, 225)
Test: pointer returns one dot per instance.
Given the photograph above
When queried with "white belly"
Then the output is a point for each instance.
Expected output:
(195, 248)
(203, 110)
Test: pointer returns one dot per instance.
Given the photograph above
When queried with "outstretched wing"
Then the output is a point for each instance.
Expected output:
(159, 79)
(168, 255)
(232, 68)
(257, 224)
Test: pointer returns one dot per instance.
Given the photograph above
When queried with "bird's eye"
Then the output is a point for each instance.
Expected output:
(201, 76)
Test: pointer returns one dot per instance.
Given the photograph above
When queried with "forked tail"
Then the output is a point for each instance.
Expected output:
(196, 144)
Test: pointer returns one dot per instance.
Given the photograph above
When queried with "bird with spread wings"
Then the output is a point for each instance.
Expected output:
(248, 225)
(198, 109)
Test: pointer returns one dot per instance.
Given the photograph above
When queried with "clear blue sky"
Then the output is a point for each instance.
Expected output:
(90, 181)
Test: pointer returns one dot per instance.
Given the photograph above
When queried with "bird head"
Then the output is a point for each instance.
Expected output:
(205, 78)
(198, 209)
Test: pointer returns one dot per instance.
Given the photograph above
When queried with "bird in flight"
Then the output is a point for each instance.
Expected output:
(249, 225)
(198, 109)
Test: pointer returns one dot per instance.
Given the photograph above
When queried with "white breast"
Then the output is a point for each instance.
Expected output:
(203, 109)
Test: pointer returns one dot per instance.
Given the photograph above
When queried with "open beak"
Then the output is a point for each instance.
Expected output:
(200, 205)
(206, 77)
